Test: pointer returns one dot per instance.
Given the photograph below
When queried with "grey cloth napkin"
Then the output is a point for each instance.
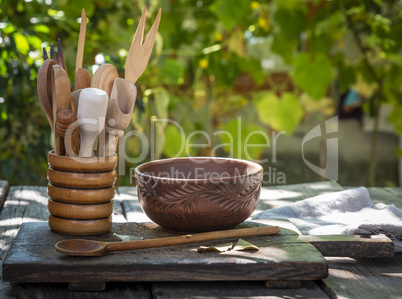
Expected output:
(345, 212)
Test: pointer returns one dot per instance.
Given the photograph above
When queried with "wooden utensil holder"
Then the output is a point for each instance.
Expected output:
(81, 192)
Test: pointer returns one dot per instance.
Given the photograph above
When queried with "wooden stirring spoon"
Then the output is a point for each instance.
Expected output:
(83, 77)
(82, 247)
(45, 86)
(118, 116)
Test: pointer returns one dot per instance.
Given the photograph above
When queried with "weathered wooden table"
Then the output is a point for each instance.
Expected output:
(348, 278)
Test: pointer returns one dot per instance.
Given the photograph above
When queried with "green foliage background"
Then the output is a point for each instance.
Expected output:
(206, 69)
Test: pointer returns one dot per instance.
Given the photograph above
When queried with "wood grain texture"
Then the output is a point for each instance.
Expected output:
(79, 164)
(118, 116)
(373, 278)
(367, 278)
(29, 204)
(80, 211)
(81, 42)
(45, 89)
(82, 179)
(281, 257)
(104, 78)
(227, 289)
(79, 227)
(139, 53)
(61, 100)
(351, 278)
(83, 79)
(4, 186)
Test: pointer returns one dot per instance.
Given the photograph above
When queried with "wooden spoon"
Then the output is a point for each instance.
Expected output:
(91, 118)
(83, 77)
(98, 248)
(45, 85)
(61, 100)
(118, 116)
(104, 78)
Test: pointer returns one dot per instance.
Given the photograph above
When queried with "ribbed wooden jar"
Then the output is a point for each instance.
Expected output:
(81, 192)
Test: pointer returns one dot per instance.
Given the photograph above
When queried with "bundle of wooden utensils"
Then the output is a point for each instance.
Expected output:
(99, 106)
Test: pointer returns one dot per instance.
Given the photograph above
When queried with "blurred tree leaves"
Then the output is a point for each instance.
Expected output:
(202, 74)
(229, 13)
(317, 69)
(282, 114)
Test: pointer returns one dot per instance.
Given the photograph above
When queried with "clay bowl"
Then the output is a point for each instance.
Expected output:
(200, 194)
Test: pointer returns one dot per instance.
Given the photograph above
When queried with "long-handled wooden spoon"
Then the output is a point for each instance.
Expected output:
(82, 247)
(83, 77)
(118, 116)
(139, 53)
(45, 86)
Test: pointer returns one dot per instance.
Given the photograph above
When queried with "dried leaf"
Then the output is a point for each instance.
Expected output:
(126, 238)
(244, 245)
(220, 248)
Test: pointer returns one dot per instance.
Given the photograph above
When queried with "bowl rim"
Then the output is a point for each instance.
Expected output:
(203, 179)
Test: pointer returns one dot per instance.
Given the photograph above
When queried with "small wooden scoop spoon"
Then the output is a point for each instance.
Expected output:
(82, 247)
(118, 116)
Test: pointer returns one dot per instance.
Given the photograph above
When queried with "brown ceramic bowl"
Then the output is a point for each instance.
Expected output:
(198, 194)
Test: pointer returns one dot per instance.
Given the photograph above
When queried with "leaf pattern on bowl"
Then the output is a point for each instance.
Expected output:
(226, 195)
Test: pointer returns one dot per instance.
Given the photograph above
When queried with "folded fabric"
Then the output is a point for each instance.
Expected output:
(345, 212)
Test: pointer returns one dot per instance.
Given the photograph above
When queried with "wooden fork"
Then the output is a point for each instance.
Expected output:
(139, 53)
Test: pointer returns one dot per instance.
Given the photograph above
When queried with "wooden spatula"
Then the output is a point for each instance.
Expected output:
(139, 53)
(118, 116)
(82, 76)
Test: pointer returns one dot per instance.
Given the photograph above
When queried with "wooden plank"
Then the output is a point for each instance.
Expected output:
(27, 204)
(366, 278)
(4, 186)
(281, 257)
(371, 278)
(59, 290)
(170, 290)
(377, 246)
